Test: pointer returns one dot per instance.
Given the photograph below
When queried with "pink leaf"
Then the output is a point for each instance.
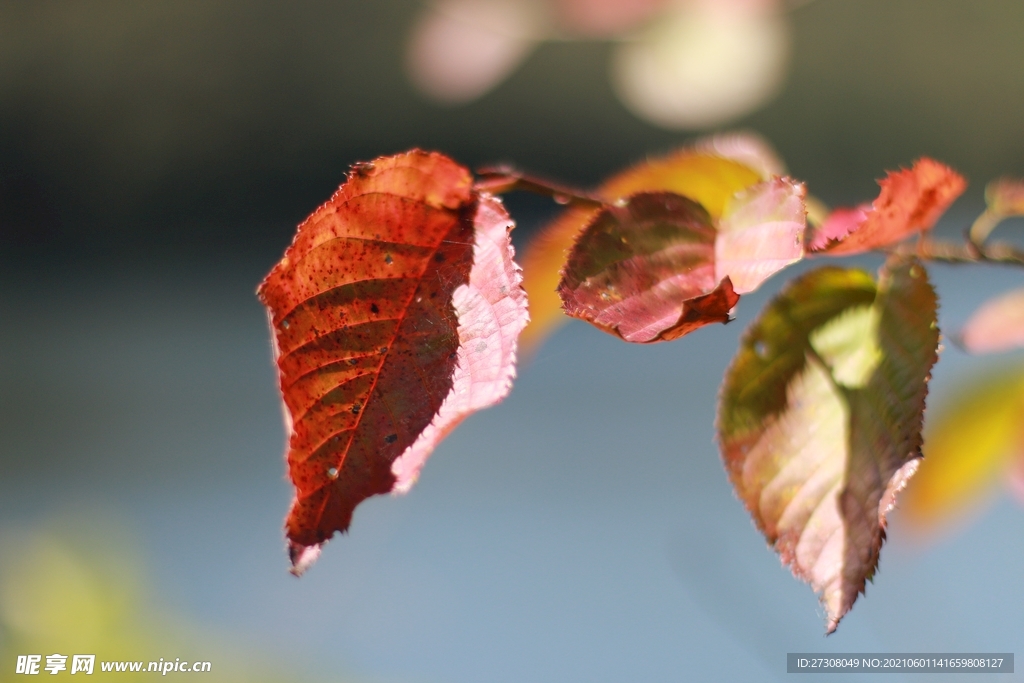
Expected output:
(997, 326)
(491, 309)
(760, 233)
(840, 223)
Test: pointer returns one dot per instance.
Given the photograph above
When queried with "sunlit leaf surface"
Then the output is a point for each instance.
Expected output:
(641, 271)
(911, 201)
(709, 179)
(395, 313)
(658, 267)
(820, 419)
(760, 233)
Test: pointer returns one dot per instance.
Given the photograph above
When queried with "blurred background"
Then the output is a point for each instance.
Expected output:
(154, 160)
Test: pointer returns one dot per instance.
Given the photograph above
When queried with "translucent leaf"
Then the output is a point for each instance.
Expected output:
(837, 225)
(760, 233)
(708, 179)
(998, 325)
(395, 313)
(820, 415)
(656, 268)
(635, 268)
(911, 201)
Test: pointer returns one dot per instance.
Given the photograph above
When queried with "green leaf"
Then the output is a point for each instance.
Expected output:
(820, 418)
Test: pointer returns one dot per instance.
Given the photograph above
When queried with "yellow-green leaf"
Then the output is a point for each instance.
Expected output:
(820, 418)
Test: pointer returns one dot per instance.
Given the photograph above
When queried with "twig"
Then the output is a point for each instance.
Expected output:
(966, 252)
(501, 179)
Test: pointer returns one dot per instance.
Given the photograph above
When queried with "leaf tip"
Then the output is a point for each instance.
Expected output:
(302, 556)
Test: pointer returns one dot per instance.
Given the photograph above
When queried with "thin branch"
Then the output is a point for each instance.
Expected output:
(501, 179)
(965, 252)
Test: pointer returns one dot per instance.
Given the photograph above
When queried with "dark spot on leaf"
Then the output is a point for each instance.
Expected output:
(356, 408)
(383, 349)
(374, 308)
(439, 257)
(388, 260)
(391, 438)
(353, 361)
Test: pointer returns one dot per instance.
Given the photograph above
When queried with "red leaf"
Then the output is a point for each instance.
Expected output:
(705, 176)
(911, 201)
(395, 314)
(636, 270)
(659, 266)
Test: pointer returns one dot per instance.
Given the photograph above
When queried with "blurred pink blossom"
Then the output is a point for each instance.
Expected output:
(677, 63)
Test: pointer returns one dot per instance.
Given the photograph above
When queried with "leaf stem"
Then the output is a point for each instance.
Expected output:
(501, 179)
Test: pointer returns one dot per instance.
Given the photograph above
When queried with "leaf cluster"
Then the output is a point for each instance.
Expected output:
(398, 308)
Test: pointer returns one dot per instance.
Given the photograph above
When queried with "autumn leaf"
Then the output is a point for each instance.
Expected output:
(761, 231)
(642, 271)
(837, 225)
(973, 443)
(911, 201)
(658, 267)
(395, 313)
(705, 176)
(820, 416)
(998, 325)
